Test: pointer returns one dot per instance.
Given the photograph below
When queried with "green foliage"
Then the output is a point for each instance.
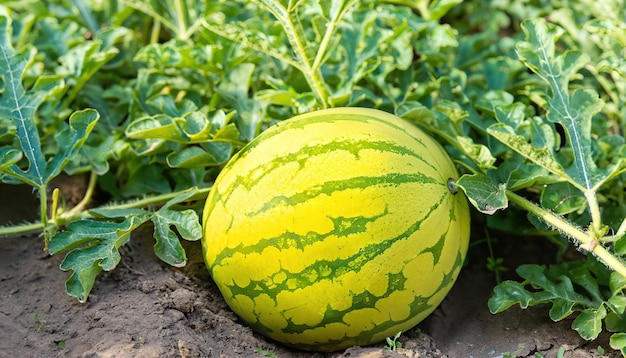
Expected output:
(265, 352)
(94, 244)
(151, 98)
(582, 286)
(392, 343)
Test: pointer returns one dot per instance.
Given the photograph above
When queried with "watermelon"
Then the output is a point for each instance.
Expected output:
(336, 228)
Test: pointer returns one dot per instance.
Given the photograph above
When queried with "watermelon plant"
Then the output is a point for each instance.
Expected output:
(149, 100)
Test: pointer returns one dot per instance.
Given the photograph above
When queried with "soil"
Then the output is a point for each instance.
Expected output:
(145, 308)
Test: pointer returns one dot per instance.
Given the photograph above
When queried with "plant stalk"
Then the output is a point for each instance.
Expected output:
(181, 12)
(70, 216)
(330, 31)
(588, 241)
(296, 39)
(93, 179)
(594, 210)
(158, 199)
(43, 214)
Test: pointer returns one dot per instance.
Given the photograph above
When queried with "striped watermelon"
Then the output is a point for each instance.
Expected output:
(336, 228)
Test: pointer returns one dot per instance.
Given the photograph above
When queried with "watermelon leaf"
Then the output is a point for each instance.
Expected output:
(542, 156)
(588, 324)
(573, 112)
(71, 140)
(562, 198)
(8, 157)
(208, 154)
(187, 224)
(182, 123)
(483, 193)
(507, 294)
(80, 64)
(618, 341)
(19, 105)
(93, 246)
(235, 91)
(578, 286)
(182, 22)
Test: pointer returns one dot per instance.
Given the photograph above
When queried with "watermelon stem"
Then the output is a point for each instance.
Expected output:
(587, 239)
(57, 219)
(452, 186)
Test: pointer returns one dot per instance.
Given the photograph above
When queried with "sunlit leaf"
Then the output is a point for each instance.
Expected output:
(186, 224)
(543, 156)
(72, 139)
(93, 246)
(19, 105)
(573, 112)
(483, 193)
(618, 341)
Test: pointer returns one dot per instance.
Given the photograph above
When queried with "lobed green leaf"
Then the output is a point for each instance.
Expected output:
(93, 246)
(187, 224)
(19, 106)
(8, 157)
(573, 112)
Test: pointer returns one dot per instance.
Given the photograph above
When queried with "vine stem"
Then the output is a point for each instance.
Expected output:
(43, 214)
(296, 38)
(70, 216)
(159, 199)
(622, 228)
(330, 30)
(594, 210)
(181, 11)
(587, 240)
(93, 178)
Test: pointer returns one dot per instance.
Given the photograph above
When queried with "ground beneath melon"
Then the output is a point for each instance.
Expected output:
(144, 308)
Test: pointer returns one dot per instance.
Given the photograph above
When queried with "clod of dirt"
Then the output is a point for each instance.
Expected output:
(359, 352)
(183, 299)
